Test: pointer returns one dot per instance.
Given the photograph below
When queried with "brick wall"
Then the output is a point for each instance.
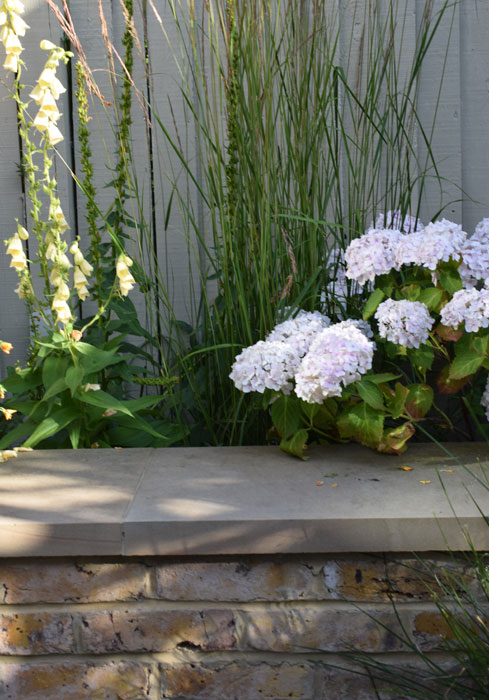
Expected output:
(215, 629)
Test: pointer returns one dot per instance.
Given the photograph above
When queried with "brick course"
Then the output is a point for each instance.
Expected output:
(216, 629)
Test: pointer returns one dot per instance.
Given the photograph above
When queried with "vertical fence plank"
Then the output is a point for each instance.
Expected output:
(14, 324)
(444, 101)
(474, 106)
(177, 246)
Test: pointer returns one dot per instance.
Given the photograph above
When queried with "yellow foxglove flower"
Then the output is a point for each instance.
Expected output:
(18, 24)
(83, 264)
(48, 79)
(85, 267)
(56, 213)
(3, 17)
(62, 309)
(50, 253)
(48, 103)
(22, 233)
(14, 6)
(14, 248)
(47, 45)
(37, 93)
(10, 41)
(63, 292)
(19, 261)
(41, 120)
(79, 278)
(82, 292)
(55, 277)
(54, 135)
(11, 62)
(14, 245)
(126, 280)
(63, 261)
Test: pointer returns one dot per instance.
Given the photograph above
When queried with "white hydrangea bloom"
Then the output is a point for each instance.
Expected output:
(372, 254)
(437, 242)
(265, 365)
(404, 322)
(395, 220)
(475, 256)
(485, 399)
(337, 357)
(475, 263)
(363, 326)
(481, 232)
(299, 332)
(469, 306)
(337, 288)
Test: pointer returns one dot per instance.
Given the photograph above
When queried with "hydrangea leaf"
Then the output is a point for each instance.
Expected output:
(411, 292)
(372, 303)
(449, 276)
(326, 414)
(470, 353)
(362, 423)
(432, 297)
(419, 400)
(446, 385)
(422, 357)
(286, 415)
(449, 333)
(394, 439)
(465, 364)
(371, 394)
(396, 400)
(382, 378)
(296, 444)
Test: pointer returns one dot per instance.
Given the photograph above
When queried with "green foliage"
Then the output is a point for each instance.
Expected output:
(71, 395)
(289, 179)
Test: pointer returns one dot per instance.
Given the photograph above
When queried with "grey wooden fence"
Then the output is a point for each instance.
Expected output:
(461, 141)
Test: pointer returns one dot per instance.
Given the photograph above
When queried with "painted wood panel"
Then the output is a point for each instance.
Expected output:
(461, 137)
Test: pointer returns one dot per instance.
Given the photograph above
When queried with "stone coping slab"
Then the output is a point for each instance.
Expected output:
(242, 500)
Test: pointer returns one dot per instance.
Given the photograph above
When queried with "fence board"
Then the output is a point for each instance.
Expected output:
(474, 108)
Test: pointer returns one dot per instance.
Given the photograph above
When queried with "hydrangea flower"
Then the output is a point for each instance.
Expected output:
(469, 306)
(372, 254)
(299, 332)
(337, 357)
(481, 232)
(363, 326)
(475, 256)
(337, 288)
(404, 322)
(395, 220)
(437, 242)
(265, 365)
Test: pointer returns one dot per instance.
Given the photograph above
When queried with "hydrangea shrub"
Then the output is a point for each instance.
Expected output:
(422, 335)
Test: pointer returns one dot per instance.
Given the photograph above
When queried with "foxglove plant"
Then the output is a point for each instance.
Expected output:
(71, 392)
(429, 305)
